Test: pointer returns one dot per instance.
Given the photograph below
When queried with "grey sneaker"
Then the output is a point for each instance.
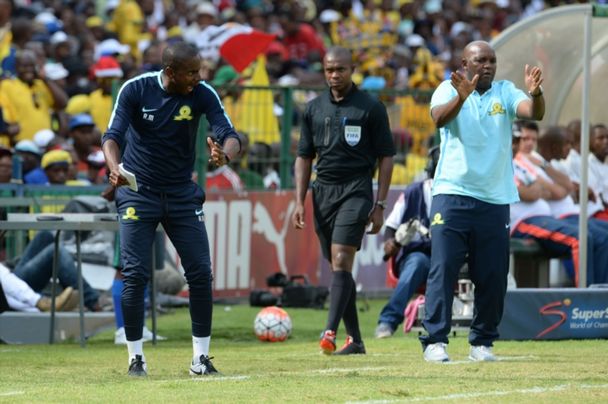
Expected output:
(481, 353)
(384, 330)
(436, 352)
(138, 367)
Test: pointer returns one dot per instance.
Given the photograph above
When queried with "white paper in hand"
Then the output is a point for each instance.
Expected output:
(129, 176)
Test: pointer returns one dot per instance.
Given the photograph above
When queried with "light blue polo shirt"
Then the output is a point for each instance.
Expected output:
(476, 151)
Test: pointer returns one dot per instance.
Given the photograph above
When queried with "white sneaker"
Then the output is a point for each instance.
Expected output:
(120, 338)
(436, 352)
(481, 353)
(148, 336)
(202, 366)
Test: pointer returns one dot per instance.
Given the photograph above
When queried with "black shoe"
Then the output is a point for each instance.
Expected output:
(203, 367)
(351, 347)
(138, 367)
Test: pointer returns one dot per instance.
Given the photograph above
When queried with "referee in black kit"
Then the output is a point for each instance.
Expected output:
(348, 132)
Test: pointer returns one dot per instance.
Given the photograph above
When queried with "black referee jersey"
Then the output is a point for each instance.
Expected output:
(347, 137)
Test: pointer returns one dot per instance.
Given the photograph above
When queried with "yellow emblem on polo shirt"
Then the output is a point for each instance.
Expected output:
(130, 214)
(497, 109)
(185, 114)
(437, 219)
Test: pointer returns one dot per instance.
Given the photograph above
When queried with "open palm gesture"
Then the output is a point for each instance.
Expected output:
(533, 78)
(463, 86)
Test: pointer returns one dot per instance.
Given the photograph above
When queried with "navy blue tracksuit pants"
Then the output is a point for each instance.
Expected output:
(465, 229)
(180, 211)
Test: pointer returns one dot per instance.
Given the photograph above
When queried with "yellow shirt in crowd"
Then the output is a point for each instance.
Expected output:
(30, 107)
(127, 22)
(101, 109)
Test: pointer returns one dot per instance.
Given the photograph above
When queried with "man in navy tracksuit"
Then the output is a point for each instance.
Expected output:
(155, 121)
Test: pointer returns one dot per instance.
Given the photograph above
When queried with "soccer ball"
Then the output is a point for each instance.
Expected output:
(272, 324)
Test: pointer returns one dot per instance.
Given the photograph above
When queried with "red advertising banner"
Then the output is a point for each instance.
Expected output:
(251, 237)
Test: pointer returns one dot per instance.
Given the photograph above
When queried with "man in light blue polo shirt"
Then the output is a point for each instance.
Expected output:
(471, 195)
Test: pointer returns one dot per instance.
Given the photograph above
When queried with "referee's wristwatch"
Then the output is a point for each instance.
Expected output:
(382, 204)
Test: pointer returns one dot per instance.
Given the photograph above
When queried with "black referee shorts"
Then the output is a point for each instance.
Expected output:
(341, 212)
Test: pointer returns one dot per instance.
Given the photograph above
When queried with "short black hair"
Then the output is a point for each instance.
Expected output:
(178, 53)
(528, 125)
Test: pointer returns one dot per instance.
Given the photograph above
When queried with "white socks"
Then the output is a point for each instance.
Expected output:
(200, 346)
(136, 348)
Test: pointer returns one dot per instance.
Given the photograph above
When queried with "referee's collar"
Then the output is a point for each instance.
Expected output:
(351, 92)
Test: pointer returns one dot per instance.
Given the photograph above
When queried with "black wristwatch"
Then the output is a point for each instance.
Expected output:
(540, 92)
(382, 204)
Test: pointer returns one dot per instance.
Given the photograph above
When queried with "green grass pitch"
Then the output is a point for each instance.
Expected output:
(393, 371)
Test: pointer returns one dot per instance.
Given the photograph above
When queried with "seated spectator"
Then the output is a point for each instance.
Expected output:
(21, 297)
(97, 168)
(598, 168)
(413, 260)
(56, 164)
(35, 267)
(570, 165)
(85, 139)
(535, 217)
(30, 160)
(43, 138)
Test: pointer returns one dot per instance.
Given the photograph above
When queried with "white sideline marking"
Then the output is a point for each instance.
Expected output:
(498, 359)
(458, 396)
(219, 378)
(344, 370)
(461, 362)
(206, 379)
(517, 358)
(11, 393)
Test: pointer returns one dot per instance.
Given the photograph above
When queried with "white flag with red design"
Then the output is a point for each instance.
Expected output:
(238, 44)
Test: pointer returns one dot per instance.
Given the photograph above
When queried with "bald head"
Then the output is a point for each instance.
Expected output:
(475, 46)
(478, 58)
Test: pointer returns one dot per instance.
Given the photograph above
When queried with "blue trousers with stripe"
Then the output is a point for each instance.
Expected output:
(180, 212)
(465, 229)
(561, 236)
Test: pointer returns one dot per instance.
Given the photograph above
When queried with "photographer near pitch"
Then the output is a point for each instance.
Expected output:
(407, 239)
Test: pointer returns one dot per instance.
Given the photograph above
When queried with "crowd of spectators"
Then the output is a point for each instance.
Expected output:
(58, 59)
(60, 62)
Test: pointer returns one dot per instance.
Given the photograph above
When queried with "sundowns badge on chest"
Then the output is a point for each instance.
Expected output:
(352, 134)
